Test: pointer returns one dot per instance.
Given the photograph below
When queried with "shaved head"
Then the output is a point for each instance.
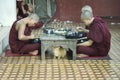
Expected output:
(34, 16)
(86, 7)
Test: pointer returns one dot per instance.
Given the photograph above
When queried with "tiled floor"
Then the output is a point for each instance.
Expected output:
(32, 68)
(78, 71)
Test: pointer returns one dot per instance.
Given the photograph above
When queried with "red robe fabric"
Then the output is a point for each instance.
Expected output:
(37, 25)
(19, 46)
(99, 33)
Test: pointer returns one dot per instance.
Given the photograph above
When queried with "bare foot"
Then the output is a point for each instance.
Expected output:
(34, 53)
(82, 55)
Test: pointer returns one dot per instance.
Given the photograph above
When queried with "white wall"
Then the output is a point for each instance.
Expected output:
(7, 12)
(7, 17)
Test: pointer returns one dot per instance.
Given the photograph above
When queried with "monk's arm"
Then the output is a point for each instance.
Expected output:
(81, 29)
(84, 30)
(21, 35)
(87, 43)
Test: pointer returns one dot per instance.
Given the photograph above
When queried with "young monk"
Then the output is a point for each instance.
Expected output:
(20, 34)
(98, 35)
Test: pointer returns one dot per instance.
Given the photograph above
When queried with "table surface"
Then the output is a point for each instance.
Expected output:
(55, 37)
(45, 36)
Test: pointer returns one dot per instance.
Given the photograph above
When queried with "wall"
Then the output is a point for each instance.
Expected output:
(70, 9)
(7, 17)
(7, 12)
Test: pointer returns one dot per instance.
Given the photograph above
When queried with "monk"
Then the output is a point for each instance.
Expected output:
(20, 34)
(98, 35)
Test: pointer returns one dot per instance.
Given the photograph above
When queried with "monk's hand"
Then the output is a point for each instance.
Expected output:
(79, 27)
(82, 29)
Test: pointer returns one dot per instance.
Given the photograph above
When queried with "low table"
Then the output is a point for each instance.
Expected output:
(49, 40)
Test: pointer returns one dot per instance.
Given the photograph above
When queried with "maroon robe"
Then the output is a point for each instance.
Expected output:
(37, 25)
(99, 33)
(20, 46)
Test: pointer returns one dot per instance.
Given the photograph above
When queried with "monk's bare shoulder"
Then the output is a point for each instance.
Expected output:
(20, 24)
